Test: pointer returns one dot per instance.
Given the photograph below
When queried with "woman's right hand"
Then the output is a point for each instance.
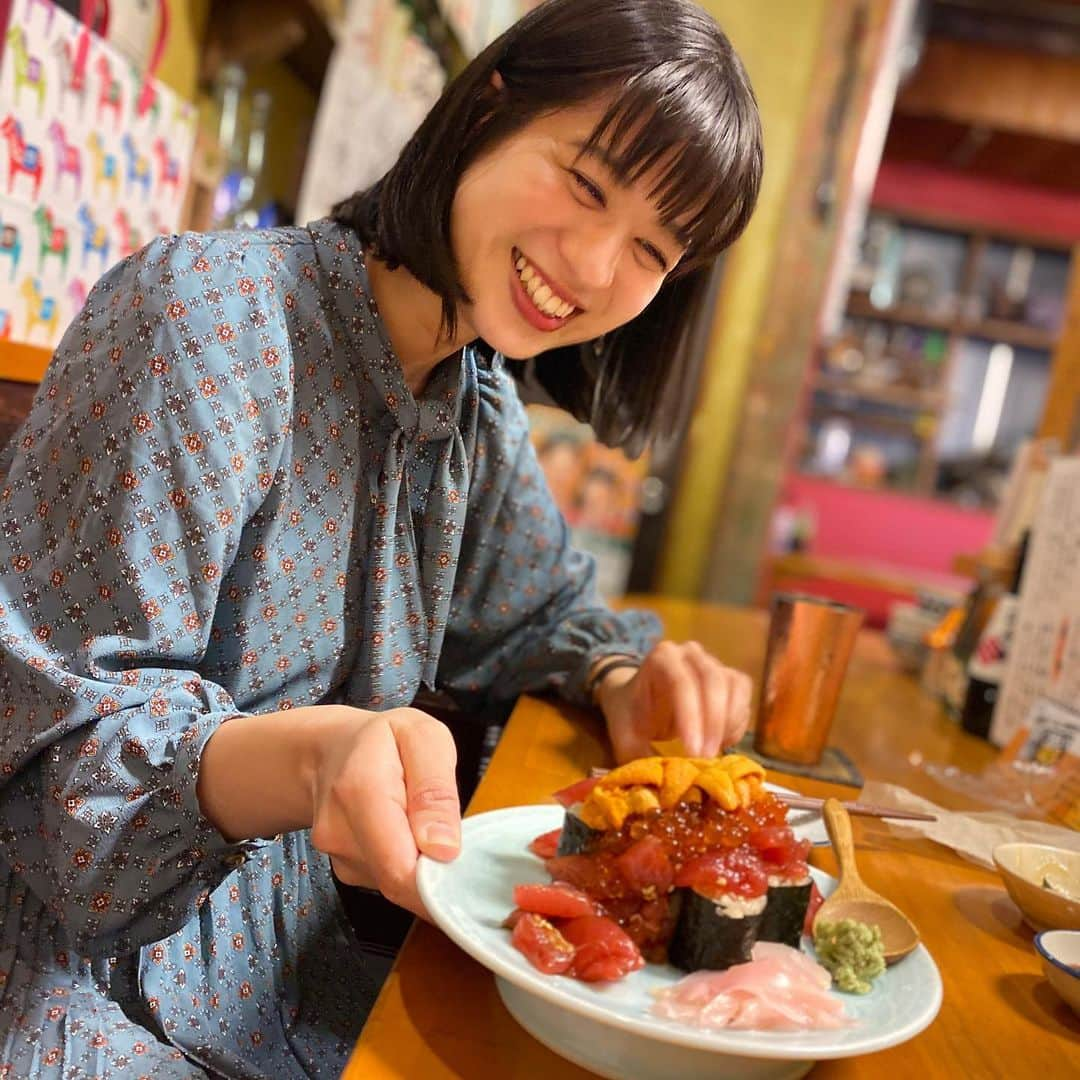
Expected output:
(385, 792)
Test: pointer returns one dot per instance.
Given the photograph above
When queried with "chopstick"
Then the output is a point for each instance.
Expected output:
(810, 802)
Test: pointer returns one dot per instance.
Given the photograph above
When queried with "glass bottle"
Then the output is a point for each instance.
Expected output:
(251, 199)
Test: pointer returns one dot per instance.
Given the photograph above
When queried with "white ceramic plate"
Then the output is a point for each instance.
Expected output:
(608, 1027)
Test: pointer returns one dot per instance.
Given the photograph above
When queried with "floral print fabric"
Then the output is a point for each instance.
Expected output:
(226, 500)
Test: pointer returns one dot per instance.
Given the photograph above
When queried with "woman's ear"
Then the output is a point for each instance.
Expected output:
(497, 81)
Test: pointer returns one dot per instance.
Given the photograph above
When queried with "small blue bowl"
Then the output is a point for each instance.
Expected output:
(1060, 952)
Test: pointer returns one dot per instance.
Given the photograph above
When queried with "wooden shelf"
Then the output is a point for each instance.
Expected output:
(905, 425)
(864, 575)
(1012, 333)
(23, 363)
(1003, 330)
(994, 564)
(859, 305)
(904, 396)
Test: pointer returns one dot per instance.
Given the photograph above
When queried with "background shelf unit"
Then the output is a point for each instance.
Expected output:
(941, 366)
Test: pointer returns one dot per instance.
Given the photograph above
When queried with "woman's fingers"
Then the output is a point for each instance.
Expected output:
(429, 756)
(717, 696)
(351, 872)
(739, 718)
(390, 794)
(692, 695)
(678, 683)
(371, 795)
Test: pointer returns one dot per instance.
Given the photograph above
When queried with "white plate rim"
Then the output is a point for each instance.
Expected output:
(743, 1043)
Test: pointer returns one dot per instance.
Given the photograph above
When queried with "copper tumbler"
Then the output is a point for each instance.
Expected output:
(810, 642)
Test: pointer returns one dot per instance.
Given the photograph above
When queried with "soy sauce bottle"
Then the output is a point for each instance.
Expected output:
(986, 665)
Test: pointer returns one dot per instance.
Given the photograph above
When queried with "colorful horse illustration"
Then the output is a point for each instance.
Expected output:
(52, 238)
(39, 307)
(106, 171)
(168, 167)
(109, 94)
(77, 294)
(29, 70)
(130, 238)
(11, 245)
(68, 156)
(50, 11)
(5, 325)
(95, 236)
(145, 95)
(22, 157)
(138, 167)
(71, 57)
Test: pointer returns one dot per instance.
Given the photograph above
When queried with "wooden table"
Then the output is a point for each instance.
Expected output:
(439, 1015)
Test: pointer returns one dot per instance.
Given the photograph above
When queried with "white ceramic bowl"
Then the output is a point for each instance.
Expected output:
(1023, 868)
(608, 1028)
(1060, 952)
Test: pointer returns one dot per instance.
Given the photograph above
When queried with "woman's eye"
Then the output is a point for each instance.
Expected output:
(655, 254)
(588, 187)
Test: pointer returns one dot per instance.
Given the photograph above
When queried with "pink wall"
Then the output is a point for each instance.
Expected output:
(884, 527)
(896, 535)
(977, 200)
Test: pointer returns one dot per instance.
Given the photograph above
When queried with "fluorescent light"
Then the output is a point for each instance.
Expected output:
(992, 398)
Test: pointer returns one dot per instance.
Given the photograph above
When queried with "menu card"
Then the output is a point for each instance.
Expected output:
(1044, 659)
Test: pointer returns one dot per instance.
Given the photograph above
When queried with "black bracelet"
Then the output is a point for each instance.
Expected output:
(605, 667)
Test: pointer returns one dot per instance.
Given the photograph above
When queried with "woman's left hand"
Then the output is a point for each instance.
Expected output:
(680, 691)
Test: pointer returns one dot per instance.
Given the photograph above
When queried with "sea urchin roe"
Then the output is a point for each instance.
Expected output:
(732, 780)
(851, 951)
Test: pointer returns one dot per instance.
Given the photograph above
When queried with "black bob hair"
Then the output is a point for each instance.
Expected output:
(680, 102)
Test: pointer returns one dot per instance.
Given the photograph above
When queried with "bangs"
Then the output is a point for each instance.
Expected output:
(680, 124)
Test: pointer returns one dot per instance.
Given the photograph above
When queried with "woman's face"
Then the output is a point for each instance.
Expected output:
(551, 248)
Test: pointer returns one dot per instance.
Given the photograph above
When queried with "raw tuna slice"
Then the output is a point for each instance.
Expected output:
(557, 901)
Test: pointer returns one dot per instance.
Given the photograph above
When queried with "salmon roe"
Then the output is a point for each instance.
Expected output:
(691, 829)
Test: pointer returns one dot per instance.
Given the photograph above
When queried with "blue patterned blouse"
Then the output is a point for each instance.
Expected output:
(225, 499)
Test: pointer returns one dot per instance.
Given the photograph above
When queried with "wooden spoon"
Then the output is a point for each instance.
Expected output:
(853, 899)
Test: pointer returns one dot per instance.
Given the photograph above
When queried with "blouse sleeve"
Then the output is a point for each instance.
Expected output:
(122, 503)
(526, 615)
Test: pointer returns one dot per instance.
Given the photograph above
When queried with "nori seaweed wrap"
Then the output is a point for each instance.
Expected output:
(785, 911)
(576, 836)
(714, 933)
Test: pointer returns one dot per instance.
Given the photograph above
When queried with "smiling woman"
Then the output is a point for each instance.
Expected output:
(616, 148)
(277, 487)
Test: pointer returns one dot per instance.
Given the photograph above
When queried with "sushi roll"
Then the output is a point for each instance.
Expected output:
(724, 894)
(576, 836)
(785, 910)
(789, 884)
(715, 933)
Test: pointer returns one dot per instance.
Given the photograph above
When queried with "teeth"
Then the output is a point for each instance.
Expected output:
(540, 293)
